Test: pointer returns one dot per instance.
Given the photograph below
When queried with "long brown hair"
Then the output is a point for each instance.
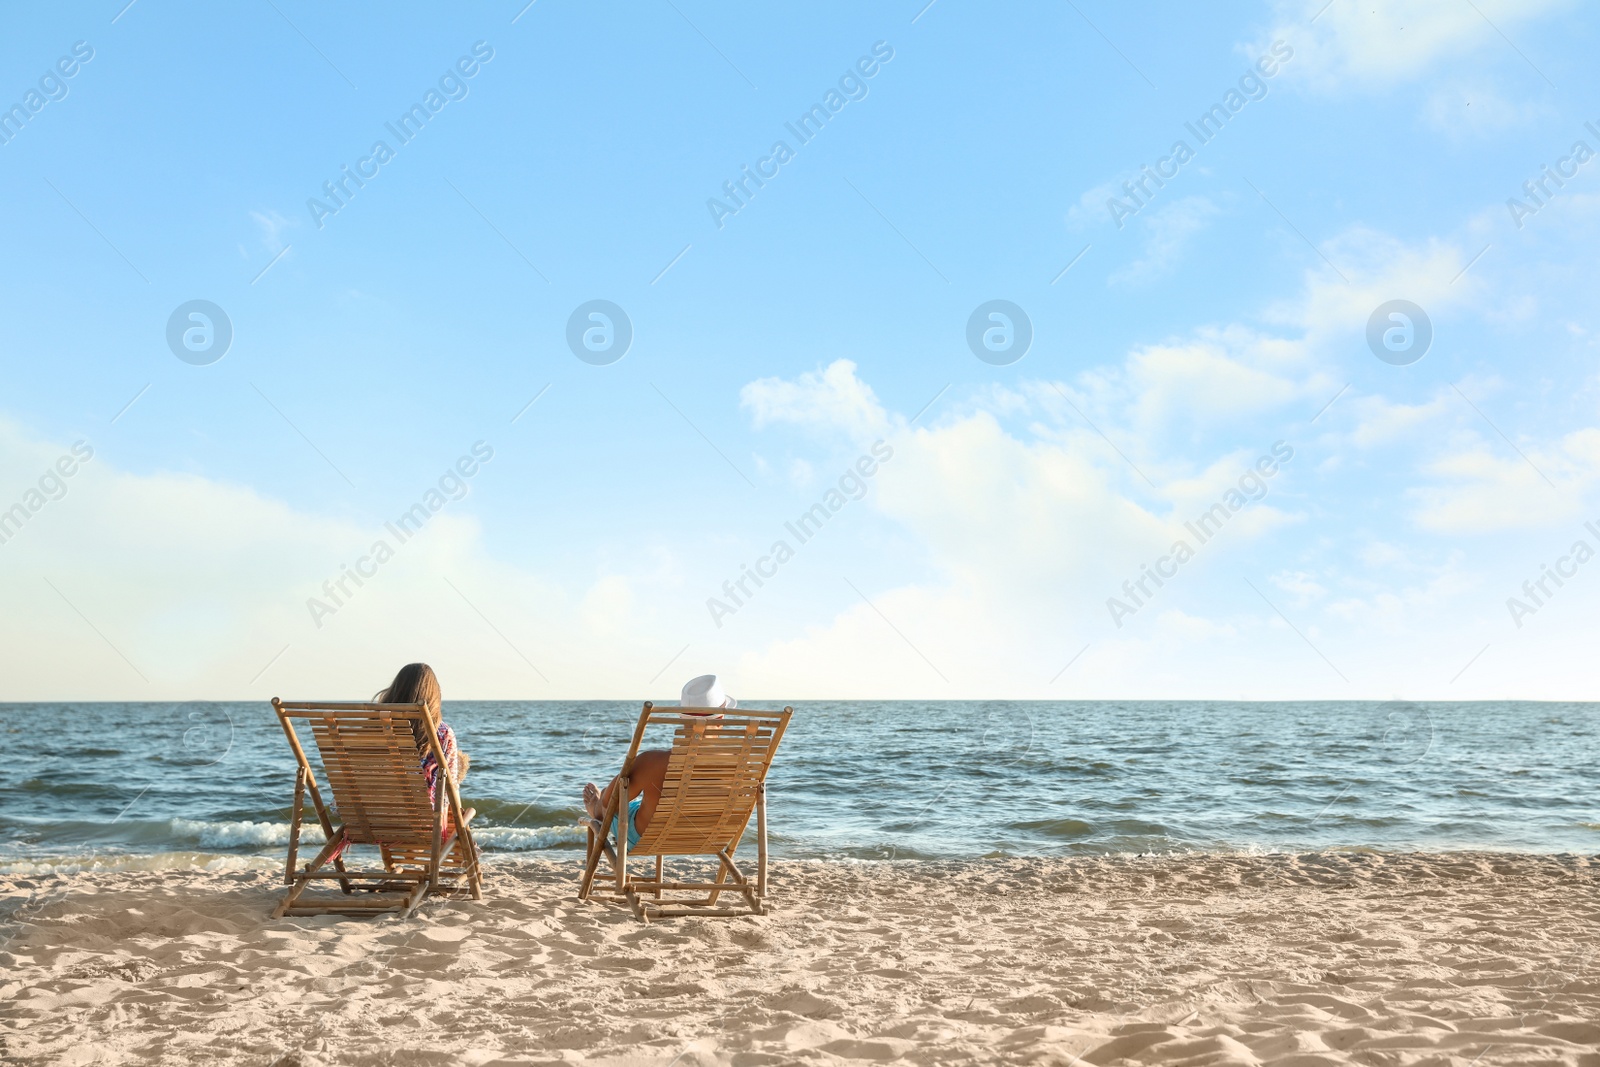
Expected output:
(415, 684)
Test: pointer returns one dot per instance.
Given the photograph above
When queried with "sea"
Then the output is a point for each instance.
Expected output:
(144, 785)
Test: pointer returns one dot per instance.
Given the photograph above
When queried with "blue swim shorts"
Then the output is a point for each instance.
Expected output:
(633, 817)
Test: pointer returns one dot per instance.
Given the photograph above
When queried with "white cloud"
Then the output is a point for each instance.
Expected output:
(1236, 472)
(1304, 587)
(1028, 520)
(1166, 233)
(1223, 373)
(1469, 110)
(271, 224)
(1487, 486)
(1332, 310)
(1052, 514)
(1471, 481)
(832, 399)
(1382, 554)
(1218, 374)
(1370, 46)
(171, 586)
(1404, 609)
(1025, 536)
(1090, 210)
(1380, 422)
(987, 546)
(1027, 529)
(1193, 627)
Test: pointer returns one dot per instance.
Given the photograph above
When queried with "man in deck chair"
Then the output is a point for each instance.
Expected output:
(650, 766)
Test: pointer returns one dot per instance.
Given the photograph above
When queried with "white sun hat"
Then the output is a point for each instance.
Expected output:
(705, 692)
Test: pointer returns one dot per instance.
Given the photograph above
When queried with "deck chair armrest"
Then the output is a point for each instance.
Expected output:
(637, 740)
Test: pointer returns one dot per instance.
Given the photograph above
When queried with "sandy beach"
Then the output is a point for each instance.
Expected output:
(1204, 959)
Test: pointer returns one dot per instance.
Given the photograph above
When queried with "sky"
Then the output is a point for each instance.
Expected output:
(1070, 350)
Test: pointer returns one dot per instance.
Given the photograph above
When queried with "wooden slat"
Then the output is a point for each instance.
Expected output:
(338, 706)
(377, 874)
(714, 774)
(372, 768)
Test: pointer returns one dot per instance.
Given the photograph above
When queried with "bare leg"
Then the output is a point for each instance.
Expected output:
(649, 772)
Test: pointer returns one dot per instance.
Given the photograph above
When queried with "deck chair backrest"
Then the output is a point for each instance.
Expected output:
(371, 764)
(714, 774)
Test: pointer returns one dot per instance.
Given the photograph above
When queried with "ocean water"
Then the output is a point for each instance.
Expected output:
(150, 784)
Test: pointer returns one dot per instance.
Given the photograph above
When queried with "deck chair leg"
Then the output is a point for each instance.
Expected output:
(304, 879)
(740, 882)
(447, 844)
(474, 871)
(722, 873)
(619, 802)
(638, 906)
(761, 841)
(460, 844)
(597, 837)
(711, 900)
(414, 898)
(660, 863)
(436, 856)
(344, 884)
(591, 861)
(290, 897)
(294, 824)
(591, 864)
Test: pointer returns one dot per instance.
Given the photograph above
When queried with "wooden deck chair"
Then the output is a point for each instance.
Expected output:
(716, 778)
(380, 797)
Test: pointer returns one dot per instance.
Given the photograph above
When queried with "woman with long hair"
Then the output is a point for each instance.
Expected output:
(417, 684)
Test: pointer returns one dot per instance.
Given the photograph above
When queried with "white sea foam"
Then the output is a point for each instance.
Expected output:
(242, 833)
(246, 834)
(526, 838)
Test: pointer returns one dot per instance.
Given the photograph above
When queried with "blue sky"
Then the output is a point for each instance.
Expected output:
(374, 347)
